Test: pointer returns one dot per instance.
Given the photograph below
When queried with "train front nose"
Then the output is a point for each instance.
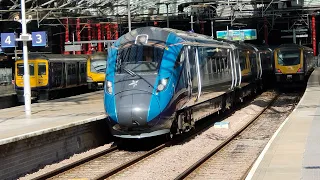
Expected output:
(133, 108)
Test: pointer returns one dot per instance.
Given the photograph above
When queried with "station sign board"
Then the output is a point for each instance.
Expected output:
(8, 40)
(238, 35)
(39, 38)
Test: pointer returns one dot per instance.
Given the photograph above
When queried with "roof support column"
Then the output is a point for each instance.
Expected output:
(78, 33)
(167, 4)
(266, 32)
(89, 37)
(129, 15)
(314, 38)
(67, 34)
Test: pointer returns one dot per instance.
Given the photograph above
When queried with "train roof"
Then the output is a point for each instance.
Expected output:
(168, 36)
(99, 55)
(292, 46)
(58, 57)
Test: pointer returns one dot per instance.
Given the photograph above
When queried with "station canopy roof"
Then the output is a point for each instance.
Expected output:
(151, 9)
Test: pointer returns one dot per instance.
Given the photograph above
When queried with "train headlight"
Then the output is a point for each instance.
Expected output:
(108, 87)
(162, 84)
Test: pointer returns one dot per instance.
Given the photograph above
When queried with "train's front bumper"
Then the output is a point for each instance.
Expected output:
(298, 77)
(20, 94)
(161, 127)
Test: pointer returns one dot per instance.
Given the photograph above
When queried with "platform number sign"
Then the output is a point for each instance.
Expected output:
(39, 38)
(8, 40)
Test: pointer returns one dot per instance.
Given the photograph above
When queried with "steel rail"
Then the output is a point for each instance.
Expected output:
(192, 168)
(76, 163)
(130, 163)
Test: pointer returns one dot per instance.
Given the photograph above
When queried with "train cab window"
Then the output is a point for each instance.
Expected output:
(288, 58)
(98, 65)
(20, 69)
(140, 58)
(42, 69)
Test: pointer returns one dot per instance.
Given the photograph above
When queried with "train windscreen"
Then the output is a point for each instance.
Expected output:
(98, 65)
(139, 58)
(288, 58)
(42, 69)
(20, 69)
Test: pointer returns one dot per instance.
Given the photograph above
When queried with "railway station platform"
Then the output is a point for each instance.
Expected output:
(50, 116)
(8, 96)
(294, 150)
(56, 130)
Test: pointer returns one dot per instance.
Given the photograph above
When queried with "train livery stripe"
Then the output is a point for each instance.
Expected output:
(109, 99)
(161, 99)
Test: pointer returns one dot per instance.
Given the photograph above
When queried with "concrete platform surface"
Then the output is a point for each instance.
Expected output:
(50, 116)
(294, 150)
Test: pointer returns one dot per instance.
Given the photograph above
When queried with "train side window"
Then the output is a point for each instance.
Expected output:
(82, 68)
(252, 58)
(69, 69)
(210, 66)
(31, 69)
(180, 59)
(242, 59)
(73, 69)
(214, 63)
(42, 69)
(224, 64)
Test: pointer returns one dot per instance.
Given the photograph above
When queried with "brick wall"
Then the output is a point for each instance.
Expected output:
(29, 155)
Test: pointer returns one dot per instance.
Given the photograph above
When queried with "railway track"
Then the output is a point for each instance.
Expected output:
(113, 161)
(234, 150)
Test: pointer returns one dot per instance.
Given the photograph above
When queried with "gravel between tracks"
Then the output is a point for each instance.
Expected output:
(70, 160)
(235, 159)
(96, 167)
(170, 162)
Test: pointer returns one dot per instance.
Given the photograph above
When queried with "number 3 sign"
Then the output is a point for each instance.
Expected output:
(39, 38)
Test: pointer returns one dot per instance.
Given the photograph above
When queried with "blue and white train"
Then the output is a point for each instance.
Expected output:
(161, 81)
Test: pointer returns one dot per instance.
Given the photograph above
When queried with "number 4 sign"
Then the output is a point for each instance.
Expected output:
(39, 38)
(8, 40)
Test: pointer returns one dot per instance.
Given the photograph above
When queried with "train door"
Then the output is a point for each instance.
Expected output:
(78, 76)
(83, 77)
(42, 78)
(188, 71)
(56, 75)
(33, 77)
(253, 64)
(68, 70)
(195, 77)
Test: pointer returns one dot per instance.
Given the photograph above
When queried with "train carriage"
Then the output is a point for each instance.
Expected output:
(51, 72)
(292, 63)
(96, 67)
(163, 80)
